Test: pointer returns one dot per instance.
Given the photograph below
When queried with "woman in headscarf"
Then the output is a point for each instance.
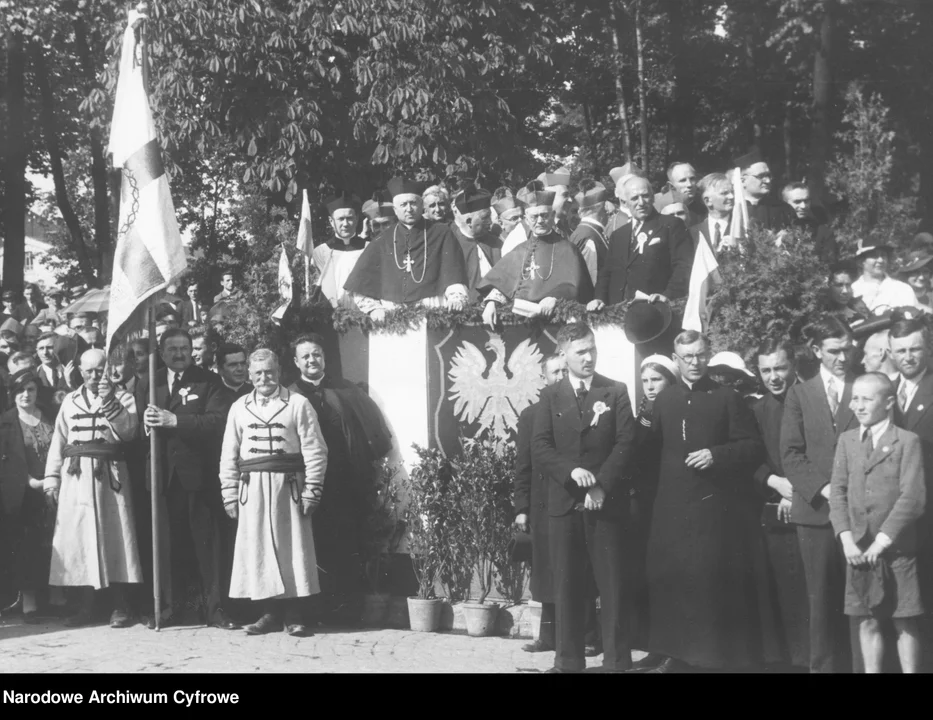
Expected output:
(28, 521)
(658, 373)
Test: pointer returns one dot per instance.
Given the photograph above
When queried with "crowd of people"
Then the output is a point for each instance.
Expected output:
(732, 520)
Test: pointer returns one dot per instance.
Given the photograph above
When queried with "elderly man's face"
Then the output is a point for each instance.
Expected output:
(638, 198)
(92, 371)
(540, 219)
(344, 222)
(799, 200)
(264, 374)
(757, 180)
(509, 219)
(435, 208)
(720, 199)
(408, 208)
(684, 179)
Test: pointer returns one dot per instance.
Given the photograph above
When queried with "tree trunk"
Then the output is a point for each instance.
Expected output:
(923, 120)
(683, 104)
(619, 79)
(754, 114)
(102, 234)
(50, 131)
(14, 165)
(590, 140)
(642, 90)
(787, 128)
(820, 135)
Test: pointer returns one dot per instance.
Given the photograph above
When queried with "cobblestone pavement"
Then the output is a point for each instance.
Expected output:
(51, 647)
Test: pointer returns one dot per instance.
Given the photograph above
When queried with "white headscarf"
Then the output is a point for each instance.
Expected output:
(664, 362)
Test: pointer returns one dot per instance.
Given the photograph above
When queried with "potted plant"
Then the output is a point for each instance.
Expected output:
(383, 531)
(427, 510)
(482, 475)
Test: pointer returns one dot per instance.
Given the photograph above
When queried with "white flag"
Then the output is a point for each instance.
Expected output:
(305, 241)
(285, 287)
(704, 280)
(149, 252)
(738, 229)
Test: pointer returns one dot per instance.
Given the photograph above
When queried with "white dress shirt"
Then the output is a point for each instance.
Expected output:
(723, 224)
(877, 430)
(911, 388)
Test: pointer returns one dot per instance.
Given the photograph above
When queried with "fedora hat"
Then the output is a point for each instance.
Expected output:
(519, 547)
(644, 321)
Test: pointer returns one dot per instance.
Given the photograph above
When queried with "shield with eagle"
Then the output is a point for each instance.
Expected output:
(480, 381)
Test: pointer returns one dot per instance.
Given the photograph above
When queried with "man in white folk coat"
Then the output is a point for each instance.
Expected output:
(94, 545)
(272, 478)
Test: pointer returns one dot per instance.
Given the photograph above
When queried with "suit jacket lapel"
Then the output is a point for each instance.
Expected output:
(884, 448)
(818, 393)
(568, 403)
(598, 393)
(921, 401)
(844, 414)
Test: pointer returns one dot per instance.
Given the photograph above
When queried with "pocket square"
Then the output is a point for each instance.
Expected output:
(654, 241)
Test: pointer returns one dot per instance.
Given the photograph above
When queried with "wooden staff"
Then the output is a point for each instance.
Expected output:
(155, 472)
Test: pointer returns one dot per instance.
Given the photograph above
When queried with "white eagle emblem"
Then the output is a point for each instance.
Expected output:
(495, 398)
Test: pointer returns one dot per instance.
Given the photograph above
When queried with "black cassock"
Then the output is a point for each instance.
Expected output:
(701, 562)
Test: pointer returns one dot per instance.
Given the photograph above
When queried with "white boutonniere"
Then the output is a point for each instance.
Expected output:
(641, 239)
(183, 394)
(598, 409)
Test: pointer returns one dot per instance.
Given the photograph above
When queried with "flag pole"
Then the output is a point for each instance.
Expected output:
(307, 278)
(155, 474)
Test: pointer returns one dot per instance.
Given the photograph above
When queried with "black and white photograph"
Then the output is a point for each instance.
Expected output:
(478, 337)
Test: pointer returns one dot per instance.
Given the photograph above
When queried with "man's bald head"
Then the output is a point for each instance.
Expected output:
(93, 358)
(876, 383)
(634, 184)
(638, 197)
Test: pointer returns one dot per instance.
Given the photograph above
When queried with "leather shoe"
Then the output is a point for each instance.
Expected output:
(266, 624)
(649, 661)
(536, 647)
(592, 651)
(670, 665)
(121, 619)
(298, 630)
(165, 620)
(223, 621)
(14, 608)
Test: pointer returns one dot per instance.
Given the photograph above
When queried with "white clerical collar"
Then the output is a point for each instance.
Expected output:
(753, 201)
(575, 381)
(232, 387)
(316, 383)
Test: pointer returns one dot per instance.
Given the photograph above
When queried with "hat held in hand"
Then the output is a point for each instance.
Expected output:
(645, 321)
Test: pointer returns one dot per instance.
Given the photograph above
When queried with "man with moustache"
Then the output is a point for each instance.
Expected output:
(583, 440)
(682, 188)
(649, 258)
(415, 261)
(786, 581)
(620, 176)
(816, 413)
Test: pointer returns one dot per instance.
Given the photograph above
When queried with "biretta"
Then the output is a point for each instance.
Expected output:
(534, 194)
(472, 198)
(561, 176)
(503, 205)
(402, 186)
(744, 162)
(379, 206)
(625, 171)
(342, 201)
(591, 193)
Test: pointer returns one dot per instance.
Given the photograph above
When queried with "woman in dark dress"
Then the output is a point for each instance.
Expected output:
(28, 523)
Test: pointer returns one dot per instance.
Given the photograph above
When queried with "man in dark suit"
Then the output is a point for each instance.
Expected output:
(816, 413)
(913, 411)
(190, 412)
(583, 440)
(719, 198)
(191, 308)
(650, 257)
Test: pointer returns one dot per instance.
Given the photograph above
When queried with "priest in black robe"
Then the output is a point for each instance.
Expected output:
(357, 437)
(764, 210)
(703, 599)
(540, 271)
(472, 228)
(413, 261)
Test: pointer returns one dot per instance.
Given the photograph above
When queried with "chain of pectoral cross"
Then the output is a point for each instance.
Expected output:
(532, 268)
(407, 264)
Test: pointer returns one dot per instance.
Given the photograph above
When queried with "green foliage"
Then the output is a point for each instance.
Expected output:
(383, 527)
(768, 290)
(862, 176)
(427, 518)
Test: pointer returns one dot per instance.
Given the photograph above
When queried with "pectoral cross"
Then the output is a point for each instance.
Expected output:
(408, 262)
(533, 267)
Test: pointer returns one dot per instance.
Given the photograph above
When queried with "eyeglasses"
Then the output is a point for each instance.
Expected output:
(535, 218)
(690, 359)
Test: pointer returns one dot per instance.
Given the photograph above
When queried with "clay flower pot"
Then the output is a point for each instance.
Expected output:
(425, 615)
(480, 618)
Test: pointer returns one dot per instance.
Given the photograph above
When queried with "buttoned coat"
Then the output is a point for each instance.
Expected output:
(530, 497)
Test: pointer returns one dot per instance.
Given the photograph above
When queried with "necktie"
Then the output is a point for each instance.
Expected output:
(867, 444)
(717, 236)
(902, 396)
(833, 397)
(176, 381)
(581, 395)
